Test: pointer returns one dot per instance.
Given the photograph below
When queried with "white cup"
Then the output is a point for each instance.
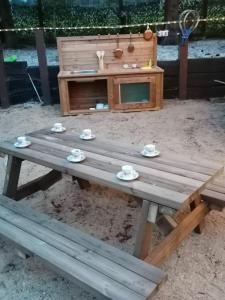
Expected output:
(150, 148)
(58, 126)
(134, 66)
(76, 153)
(86, 133)
(21, 140)
(127, 170)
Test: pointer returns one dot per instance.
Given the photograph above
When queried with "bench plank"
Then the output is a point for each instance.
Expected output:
(80, 253)
(84, 240)
(74, 268)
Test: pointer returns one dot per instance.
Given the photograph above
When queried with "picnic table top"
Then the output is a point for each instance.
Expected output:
(166, 180)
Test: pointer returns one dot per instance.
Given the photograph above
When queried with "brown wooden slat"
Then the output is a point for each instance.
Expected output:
(93, 260)
(145, 191)
(161, 252)
(69, 265)
(131, 154)
(147, 175)
(120, 257)
(213, 197)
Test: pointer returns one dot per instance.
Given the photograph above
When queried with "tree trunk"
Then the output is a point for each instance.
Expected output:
(204, 13)
(40, 13)
(6, 21)
(171, 14)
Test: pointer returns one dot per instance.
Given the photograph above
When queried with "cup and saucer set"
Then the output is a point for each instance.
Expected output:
(150, 151)
(87, 135)
(58, 127)
(127, 173)
(76, 156)
(22, 142)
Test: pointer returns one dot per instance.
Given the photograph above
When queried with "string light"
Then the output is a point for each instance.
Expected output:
(219, 19)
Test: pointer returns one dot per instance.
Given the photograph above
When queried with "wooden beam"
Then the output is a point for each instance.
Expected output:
(193, 205)
(4, 96)
(12, 176)
(144, 232)
(166, 224)
(41, 52)
(42, 183)
(183, 71)
(161, 252)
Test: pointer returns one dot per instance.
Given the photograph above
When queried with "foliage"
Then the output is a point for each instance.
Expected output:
(63, 13)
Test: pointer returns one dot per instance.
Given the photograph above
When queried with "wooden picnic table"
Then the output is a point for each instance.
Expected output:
(166, 183)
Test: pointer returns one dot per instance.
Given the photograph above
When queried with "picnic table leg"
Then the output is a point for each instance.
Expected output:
(193, 205)
(144, 234)
(12, 176)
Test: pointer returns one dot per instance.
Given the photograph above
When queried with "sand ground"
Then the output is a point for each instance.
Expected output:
(195, 271)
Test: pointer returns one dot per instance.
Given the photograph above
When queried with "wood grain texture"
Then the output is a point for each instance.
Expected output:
(12, 176)
(161, 252)
(80, 92)
(131, 263)
(38, 234)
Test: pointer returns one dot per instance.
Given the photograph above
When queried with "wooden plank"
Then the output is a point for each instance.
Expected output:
(4, 96)
(197, 164)
(12, 176)
(137, 188)
(128, 153)
(161, 252)
(144, 232)
(166, 224)
(71, 266)
(82, 254)
(183, 70)
(193, 204)
(148, 175)
(103, 249)
(213, 197)
(41, 183)
(40, 45)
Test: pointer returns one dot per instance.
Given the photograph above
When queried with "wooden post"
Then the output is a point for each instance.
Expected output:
(144, 233)
(183, 70)
(12, 176)
(40, 44)
(3, 83)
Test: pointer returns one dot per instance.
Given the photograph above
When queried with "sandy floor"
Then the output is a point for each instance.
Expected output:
(195, 271)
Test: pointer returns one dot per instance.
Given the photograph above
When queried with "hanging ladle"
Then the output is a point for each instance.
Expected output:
(130, 46)
(118, 52)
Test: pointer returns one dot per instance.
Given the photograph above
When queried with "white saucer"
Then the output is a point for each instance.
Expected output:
(149, 154)
(121, 176)
(87, 138)
(73, 159)
(24, 145)
(58, 130)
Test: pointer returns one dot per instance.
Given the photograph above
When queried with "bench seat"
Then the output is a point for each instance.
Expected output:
(214, 194)
(85, 259)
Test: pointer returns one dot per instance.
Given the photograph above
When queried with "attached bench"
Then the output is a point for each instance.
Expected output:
(91, 262)
(214, 195)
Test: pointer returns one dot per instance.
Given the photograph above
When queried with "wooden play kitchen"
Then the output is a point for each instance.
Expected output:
(109, 73)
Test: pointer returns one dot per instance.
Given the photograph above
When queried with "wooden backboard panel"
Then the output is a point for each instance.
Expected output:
(79, 53)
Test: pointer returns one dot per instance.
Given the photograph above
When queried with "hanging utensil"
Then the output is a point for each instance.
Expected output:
(148, 33)
(130, 46)
(100, 55)
(118, 52)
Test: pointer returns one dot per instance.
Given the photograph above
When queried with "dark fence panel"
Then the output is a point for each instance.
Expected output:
(201, 76)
